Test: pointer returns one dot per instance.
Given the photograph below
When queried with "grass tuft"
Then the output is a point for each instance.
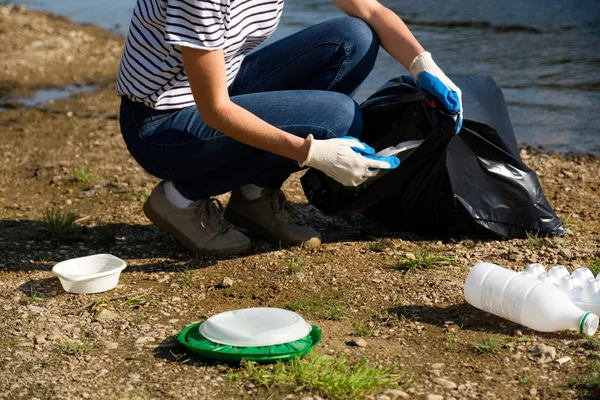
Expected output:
(588, 379)
(534, 242)
(106, 236)
(57, 221)
(381, 245)
(330, 306)
(82, 175)
(186, 278)
(423, 260)
(294, 262)
(73, 348)
(488, 346)
(333, 378)
(593, 265)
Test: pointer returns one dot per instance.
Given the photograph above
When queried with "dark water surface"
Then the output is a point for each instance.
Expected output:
(545, 54)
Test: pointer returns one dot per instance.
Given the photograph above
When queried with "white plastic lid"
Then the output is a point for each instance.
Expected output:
(254, 327)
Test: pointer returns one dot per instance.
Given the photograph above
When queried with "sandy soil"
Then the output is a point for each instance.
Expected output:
(417, 323)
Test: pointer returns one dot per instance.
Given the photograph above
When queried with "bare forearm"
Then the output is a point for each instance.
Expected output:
(245, 127)
(394, 35)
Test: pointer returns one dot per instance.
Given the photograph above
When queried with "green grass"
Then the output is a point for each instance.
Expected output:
(294, 262)
(334, 378)
(72, 348)
(134, 301)
(488, 346)
(57, 221)
(588, 379)
(364, 330)
(82, 175)
(535, 242)
(423, 260)
(525, 380)
(186, 277)
(593, 265)
(451, 337)
(138, 319)
(330, 306)
(33, 295)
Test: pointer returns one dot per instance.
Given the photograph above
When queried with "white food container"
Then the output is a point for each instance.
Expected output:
(91, 274)
(255, 327)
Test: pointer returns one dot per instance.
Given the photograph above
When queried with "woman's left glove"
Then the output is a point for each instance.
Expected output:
(433, 80)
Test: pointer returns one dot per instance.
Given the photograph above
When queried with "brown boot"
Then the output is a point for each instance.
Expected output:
(272, 217)
(201, 227)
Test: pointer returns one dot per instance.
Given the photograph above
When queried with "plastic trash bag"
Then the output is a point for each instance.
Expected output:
(471, 182)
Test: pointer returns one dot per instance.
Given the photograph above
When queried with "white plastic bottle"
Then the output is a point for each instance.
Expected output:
(525, 300)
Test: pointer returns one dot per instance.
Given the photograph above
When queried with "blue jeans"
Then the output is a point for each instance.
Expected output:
(300, 84)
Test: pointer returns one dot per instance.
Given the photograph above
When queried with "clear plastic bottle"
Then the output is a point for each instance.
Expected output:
(525, 300)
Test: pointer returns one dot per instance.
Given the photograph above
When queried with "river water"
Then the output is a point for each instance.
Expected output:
(545, 54)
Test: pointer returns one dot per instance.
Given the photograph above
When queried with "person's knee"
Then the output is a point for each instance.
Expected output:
(344, 116)
(359, 36)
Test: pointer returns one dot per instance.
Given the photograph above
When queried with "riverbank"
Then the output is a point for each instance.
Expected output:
(69, 154)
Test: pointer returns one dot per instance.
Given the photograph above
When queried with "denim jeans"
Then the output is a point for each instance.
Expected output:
(300, 84)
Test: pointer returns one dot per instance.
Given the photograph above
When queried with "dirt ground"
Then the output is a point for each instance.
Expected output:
(69, 154)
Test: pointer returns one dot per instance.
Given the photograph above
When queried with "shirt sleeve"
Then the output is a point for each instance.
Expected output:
(196, 23)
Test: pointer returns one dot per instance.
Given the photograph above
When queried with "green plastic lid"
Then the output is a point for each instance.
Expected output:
(193, 340)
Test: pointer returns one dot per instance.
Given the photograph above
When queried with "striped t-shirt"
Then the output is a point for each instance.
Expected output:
(151, 69)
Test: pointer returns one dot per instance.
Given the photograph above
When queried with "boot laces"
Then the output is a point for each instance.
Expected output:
(284, 210)
(210, 213)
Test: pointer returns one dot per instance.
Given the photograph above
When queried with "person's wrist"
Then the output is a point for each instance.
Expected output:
(419, 63)
(304, 152)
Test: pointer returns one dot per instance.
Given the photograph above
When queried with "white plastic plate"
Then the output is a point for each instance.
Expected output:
(254, 327)
(91, 274)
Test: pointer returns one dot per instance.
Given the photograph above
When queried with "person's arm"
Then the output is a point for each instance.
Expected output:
(394, 35)
(346, 160)
(400, 43)
(206, 73)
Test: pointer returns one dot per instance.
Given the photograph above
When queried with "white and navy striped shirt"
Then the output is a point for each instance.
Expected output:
(151, 69)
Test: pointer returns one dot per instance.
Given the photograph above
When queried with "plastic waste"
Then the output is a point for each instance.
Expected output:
(525, 300)
(474, 181)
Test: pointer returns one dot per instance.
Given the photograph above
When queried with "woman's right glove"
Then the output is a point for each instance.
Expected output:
(346, 159)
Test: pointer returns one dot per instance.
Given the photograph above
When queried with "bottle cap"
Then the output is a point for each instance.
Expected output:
(588, 324)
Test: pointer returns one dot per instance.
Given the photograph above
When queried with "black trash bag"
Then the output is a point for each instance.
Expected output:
(467, 183)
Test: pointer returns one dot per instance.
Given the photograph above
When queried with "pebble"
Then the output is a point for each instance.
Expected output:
(445, 383)
(144, 339)
(397, 394)
(563, 360)
(227, 282)
(437, 366)
(411, 256)
(435, 397)
(383, 397)
(111, 345)
(435, 372)
(358, 342)
(40, 339)
(105, 315)
(545, 353)
(307, 398)
(533, 391)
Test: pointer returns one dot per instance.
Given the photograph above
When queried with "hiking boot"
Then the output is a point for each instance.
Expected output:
(272, 217)
(200, 227)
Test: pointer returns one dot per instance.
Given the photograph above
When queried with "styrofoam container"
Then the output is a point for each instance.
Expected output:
(255, 327)
(91, 274)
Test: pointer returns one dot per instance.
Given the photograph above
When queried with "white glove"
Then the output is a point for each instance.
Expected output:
(346, 159)
(433, 80)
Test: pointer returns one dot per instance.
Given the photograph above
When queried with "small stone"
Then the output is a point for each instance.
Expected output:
(518, 333)
(227, 282)
(40, 339)
(410, 256)
(383, 397)
(435, 397)
(437, 366)
(533, 391)
(435, 372)
(445, 383)
(396, 394)
(563, 360)
(111, 345)
(358, 342)
(306, 398)
(566, 253)
(35, 309)
(144, 340)
(105, 315)
(545, 353)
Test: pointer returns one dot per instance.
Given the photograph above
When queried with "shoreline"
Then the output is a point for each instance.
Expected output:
(69, 155)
